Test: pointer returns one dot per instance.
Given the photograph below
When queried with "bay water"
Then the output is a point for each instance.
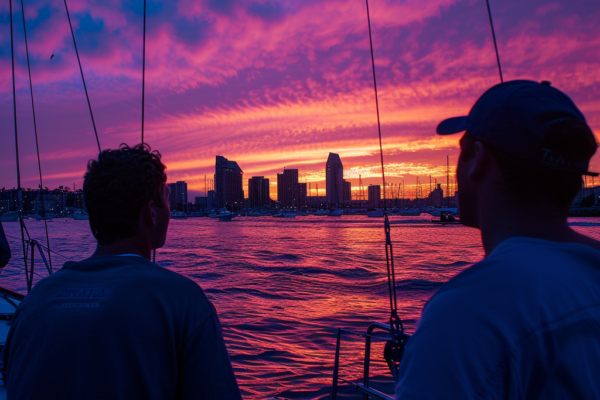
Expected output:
(282, 287)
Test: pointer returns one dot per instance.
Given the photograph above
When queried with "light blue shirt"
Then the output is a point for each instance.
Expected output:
(524, 323)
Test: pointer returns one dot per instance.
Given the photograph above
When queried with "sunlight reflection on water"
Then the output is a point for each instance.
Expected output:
(283, 286)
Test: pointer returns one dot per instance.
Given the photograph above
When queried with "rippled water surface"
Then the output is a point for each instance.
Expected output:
(282, 287)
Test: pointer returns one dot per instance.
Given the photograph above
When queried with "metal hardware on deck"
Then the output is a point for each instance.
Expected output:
(364, 387)
(368, 392)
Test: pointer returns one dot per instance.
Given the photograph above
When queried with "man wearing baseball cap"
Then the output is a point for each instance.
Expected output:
(525, 321)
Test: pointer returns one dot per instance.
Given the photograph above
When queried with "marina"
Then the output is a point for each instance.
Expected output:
(318, 301)
(282, 287)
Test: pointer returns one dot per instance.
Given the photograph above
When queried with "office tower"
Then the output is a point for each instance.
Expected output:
(302, 194)
(287, 188)
(228, 183)
(258, 192)
(334, 178)
(347, 191)
(374, 196)
(178, 196)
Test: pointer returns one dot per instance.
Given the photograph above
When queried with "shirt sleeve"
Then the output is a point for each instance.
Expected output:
(453, 353)
(205, 369)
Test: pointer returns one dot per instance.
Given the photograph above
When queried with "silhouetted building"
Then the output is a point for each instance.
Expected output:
(258, 192)
(334, 179)
(211, 200)
(201, 202)
(316, 201)
(374, 196)
(178, 198)
(302, 194)
(347, 191)
(287, 188)
(436, 196)
(228, 183)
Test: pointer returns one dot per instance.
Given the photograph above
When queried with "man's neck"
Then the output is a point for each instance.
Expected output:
(533, 221)
(125, 246)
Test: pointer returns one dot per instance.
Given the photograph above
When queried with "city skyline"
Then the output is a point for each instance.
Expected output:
(240, 82)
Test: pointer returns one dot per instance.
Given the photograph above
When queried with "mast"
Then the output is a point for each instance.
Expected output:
(144, 75)
(448, 179)
(494, 37)
(396, 327)
(83, 79)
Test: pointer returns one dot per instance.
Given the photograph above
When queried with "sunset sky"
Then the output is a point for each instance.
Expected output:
(274, 84)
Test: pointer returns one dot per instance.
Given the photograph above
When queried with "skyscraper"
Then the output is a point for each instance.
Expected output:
(334, 179)
(374, 196)
(302, 194)
(258, 192)
(287, 188)
(347, 191)
(228, 183)
(178, 196)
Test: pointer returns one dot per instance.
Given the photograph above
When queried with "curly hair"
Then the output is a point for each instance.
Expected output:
(117, 186)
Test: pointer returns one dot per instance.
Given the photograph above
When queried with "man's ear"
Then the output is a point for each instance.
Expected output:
(149, 214)
(479, 163)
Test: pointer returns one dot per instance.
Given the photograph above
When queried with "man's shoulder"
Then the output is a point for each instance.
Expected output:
(526, 262)
(123, 271)
(534, 278)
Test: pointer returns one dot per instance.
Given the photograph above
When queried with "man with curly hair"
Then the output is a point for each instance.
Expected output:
(115, 325)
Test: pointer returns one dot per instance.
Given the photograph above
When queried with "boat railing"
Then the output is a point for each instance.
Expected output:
(364, 388)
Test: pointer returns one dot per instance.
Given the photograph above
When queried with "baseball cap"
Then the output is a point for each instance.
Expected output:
(516, 117)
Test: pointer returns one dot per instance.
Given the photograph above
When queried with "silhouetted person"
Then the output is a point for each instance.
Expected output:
(524, 323)
(117, 326)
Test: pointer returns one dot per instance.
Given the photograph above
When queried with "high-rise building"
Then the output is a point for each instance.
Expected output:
(374, 196)
(347, 191)
(302, 194)
(334, 179)
(287, 188)
(178, 197)
(258, 192)
(211, 200)
(228, 183)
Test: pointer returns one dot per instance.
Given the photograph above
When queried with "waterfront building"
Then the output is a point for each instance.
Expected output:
(201, 202)
(334, 179)
(347, 191)
(178, 198)
(54, 203)
(374, 196)
(258, 192)
(228, 183)
(211, 200)
(316, 201)
(436, 196)
(302, 194)
(288, 188)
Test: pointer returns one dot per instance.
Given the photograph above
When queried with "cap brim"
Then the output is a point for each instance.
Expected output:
(452, 125)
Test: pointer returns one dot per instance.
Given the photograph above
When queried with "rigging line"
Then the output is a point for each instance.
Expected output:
(37, 146)
(55, 252)
(376, 106)
(396, 327)
(82, 78)
(19, 195)
(494, 37)
(143, 71)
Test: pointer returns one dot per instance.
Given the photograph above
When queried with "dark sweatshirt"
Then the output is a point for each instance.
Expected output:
(117, 327)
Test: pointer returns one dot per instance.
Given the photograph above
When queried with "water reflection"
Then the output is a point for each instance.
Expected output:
(283, 286)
